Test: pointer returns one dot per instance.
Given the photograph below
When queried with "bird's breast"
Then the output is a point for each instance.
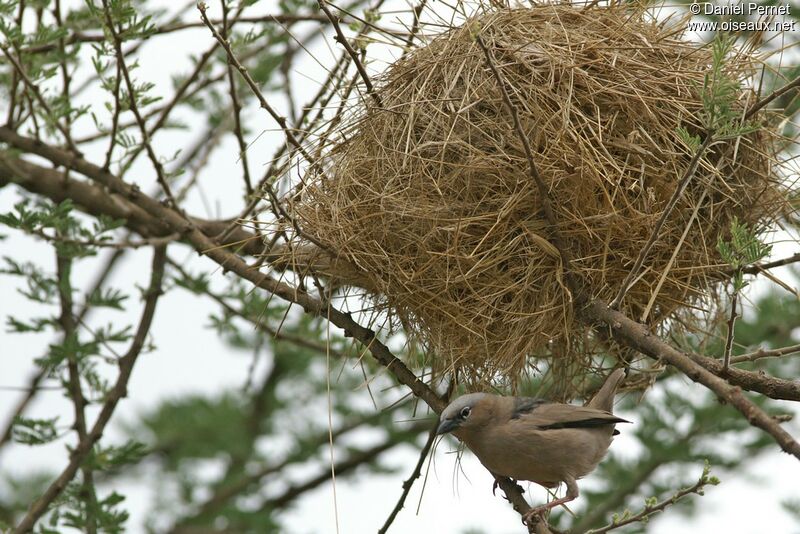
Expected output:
(542, 456)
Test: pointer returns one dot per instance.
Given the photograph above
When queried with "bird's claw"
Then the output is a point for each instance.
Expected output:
(534, 515)
(496, 484)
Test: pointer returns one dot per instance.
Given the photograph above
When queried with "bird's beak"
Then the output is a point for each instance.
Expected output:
(446, 426)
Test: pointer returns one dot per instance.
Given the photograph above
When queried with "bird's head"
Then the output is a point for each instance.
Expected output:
(467, 412)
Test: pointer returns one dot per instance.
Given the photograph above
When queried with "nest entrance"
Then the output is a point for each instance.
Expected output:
(430, 197)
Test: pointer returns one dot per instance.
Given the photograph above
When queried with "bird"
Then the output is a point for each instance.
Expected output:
(532, 439)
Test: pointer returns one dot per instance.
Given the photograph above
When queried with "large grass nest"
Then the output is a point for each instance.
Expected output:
(430, 196)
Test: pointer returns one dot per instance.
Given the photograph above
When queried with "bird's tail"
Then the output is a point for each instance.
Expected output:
(604, 399)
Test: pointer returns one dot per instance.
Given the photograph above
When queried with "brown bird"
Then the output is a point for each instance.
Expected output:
(532, 439)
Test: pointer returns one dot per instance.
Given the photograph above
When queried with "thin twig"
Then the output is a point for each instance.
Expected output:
(120, 390)
(409, 483)
(128, 52)
(649, 510)
(544, 193)
(276, 166)
(258, 323)
(623, 489)
(783, 285)
(762, 353)
(415, 26)
(694, 163)
(755, 108)
(12, 88)
(281, 120)
(134, 107)
(40, 99)
(237, 109)
(758, 268)
(112, 135)
(173, 221)
(323, 96)
(30, 392)
(341, 39)
(389, 33)
(65, 77)
(33, 383)
(228, 260)
(726, 355)
(124, 244)
(205, 83)
(164, 112)
(182, 90)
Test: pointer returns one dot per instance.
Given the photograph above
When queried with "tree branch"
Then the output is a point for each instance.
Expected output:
(31, 389)
(39, 98)
(774, 388)
(281, 120)
(224, 493)
(353, 461)
(618, 495)
(81, 37)
(12, 88)
(638, 336)
(68, 325)
(651, 509)
(259, 324)
(98, 201)
(175, 223)
(120, 390)
(726, 353)
(237, 109)
(33, 383)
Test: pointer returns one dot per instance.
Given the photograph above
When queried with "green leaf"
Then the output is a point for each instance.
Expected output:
(693, 142)
(107, 298)
(34, 431)
(113, 457)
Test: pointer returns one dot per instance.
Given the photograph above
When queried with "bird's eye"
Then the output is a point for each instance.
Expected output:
(465, 412)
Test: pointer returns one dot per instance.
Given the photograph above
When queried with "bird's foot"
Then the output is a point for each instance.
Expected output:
(534, 515)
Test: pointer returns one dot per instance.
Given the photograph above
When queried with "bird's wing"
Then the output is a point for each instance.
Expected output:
(548, 416)
(525, 405)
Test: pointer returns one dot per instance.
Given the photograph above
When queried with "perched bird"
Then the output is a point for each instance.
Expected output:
(532, 439)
